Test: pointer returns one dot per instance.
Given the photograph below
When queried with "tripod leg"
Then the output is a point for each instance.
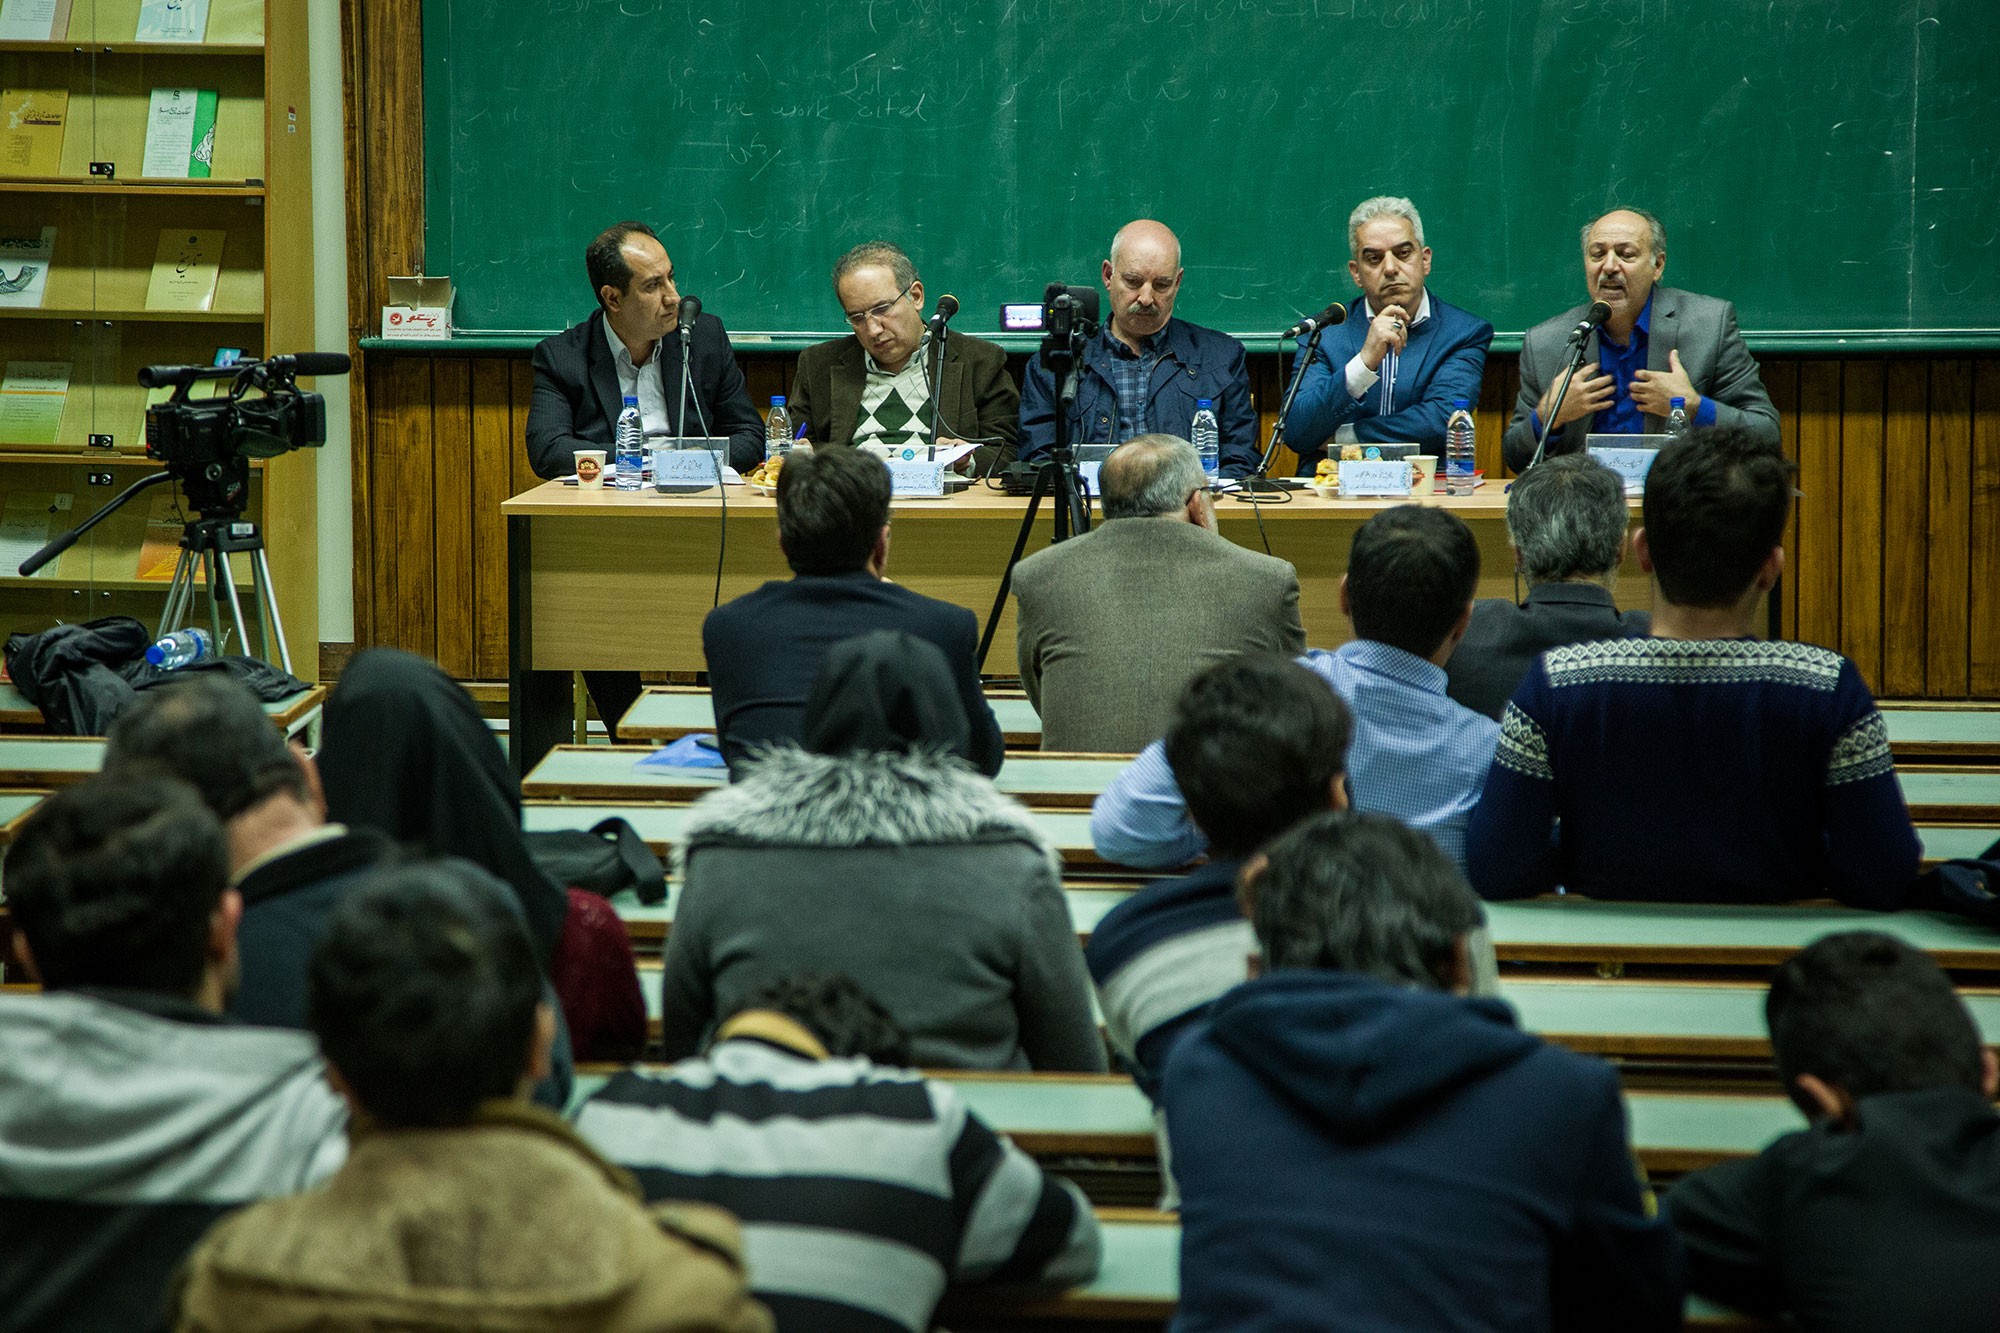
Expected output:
(235, 604)
(214, 603)
(267, 608)
(180, 594)
(1007, 575)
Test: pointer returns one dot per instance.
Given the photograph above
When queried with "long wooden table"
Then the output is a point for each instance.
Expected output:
(297, 713)
(618, 580)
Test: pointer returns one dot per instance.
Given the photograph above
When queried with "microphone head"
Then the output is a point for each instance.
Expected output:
(1333, 314)
(947, 306)
(312, 363)
(1599, 312)
(690, 312)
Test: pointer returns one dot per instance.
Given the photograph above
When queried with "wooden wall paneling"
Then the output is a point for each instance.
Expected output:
(452, 515)
(520, 392)
(493, 447)
(1860, 587)
(374, 519)
(404, 535)
(1947, 655)
(1983, 678)
(1905, 517)
(1814, 558)
(1491, 413)
(1781, 381)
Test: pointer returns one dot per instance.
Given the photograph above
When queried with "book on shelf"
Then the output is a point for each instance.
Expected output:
(28, 519)
(185, 268)
(180, 133)
(24, 268)
(33, 20)
(31, 131)
(172, 21)
(32, 394)
(160, 548)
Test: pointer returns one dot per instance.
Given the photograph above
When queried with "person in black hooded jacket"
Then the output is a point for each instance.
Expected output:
(1359, 1144)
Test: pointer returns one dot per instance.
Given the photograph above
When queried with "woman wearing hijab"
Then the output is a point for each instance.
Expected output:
(878, 852)
(406, 752)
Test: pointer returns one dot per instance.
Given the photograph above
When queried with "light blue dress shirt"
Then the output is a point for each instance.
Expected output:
(1417, 755)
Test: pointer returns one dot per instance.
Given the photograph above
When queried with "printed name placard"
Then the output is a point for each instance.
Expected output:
(1088, 473)
(1369, 477)
(915, 477)
(686, 467)
(1630, 464)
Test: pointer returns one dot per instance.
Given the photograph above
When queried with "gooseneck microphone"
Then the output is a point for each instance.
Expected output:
(1592, 320)
(1327, 318)
(947, 306)
(690, 312)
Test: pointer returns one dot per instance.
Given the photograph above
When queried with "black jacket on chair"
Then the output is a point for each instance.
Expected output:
(577, 398)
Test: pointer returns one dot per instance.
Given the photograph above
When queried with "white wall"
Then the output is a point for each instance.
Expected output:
(336, 460)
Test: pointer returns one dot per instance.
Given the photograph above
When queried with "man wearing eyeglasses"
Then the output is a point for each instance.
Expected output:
(1146, 371)
(874, 387)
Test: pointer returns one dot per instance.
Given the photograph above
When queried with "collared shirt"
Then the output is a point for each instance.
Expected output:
(1131, 375)
(649, 388)
(1417, 755)
(1622, 363)
(896, 405)
(1360, 379)
(313, 837)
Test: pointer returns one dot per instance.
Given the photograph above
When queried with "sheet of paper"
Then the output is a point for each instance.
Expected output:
(28, 519)
(24, 268)
(29, 20)
(172, 21)
(185, 269)
(32, 396)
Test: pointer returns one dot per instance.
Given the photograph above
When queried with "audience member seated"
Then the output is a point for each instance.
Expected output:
(1886, 1212)
(863, 1188)
(1566, 520)
(1417, 755)
(1257, 743)
(764, 649)
(460, 1206)
(133, 1114)
(407, 754)
(1113, 623)
(877, 853)
(1353, 1133)
(1700, 764)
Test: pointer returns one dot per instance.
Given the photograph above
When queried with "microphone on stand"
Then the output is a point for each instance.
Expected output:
(947, 306)
(690, 312)
(1591, 321)
(1333, 314)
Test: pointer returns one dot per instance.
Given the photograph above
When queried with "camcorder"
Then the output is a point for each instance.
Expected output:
(206, 444)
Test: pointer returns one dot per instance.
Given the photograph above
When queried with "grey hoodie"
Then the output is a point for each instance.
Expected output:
(127, 1126)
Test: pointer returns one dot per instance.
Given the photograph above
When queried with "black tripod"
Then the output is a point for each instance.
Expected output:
(1070, 318)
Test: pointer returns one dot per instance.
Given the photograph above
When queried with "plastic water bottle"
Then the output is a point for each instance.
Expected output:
(777, 430)
(176, 650)
(1206, 437)
(1677, 417)
(1460, 449)
(630, 442)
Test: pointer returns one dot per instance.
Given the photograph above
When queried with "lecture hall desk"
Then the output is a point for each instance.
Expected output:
(620, 580)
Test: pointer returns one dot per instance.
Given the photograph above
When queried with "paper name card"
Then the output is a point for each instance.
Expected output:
(1631, 465)
(185, 269)
(916, 477)
(24, 268)
(1087, 474)
(33, 20)
(686, 467)
(31, 131)
(172, 21)
(1374, 477)
(180, 134)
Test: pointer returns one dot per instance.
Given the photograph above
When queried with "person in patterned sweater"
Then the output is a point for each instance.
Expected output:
(1700, 764)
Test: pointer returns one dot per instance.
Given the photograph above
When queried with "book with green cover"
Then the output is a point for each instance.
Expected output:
(180, 133)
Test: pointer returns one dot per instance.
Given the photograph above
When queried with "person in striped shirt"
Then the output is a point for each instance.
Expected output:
(864, 1188)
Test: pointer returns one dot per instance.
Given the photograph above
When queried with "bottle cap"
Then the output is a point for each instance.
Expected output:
(1201, 403)
(1677, 402)
(1461, 403)
(777, 400)
(631, 400)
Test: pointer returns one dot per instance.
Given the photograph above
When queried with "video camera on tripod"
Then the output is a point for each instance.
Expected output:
(205, 446)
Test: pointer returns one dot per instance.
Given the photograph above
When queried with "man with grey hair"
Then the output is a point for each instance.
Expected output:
(1659, 344)
(1146, 370)
(1353, 1103)
(1114, 623)
(1566, 521)
(874, 387)
(1393, 370)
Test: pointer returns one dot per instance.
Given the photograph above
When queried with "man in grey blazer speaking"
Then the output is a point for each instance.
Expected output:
(1114, 623)
(1659, 344)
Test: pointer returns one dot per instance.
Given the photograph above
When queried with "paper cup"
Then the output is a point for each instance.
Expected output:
(1423, 474)
(590, 469)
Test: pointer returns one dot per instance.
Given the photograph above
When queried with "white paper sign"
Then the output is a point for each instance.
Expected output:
(686, 467)
(1630, 464)
(915, 477)
(27, 20)
(1372, 477)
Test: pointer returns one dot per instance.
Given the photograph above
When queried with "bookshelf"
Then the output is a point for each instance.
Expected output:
(121, 237)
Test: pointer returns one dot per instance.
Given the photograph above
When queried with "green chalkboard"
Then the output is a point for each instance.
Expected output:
(1827, 164)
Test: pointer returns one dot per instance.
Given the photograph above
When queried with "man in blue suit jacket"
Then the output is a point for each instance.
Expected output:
(1145, 371)
(1390, 373)
(764, 649)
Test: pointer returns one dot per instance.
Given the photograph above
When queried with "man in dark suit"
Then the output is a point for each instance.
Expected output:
(1114, 623)
(583, 374)
(875, 386)
(1392, 371)
(1566, 521)
(765, 648)
(1659, 344)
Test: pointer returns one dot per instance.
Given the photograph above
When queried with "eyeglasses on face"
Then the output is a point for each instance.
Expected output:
(857, 318)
